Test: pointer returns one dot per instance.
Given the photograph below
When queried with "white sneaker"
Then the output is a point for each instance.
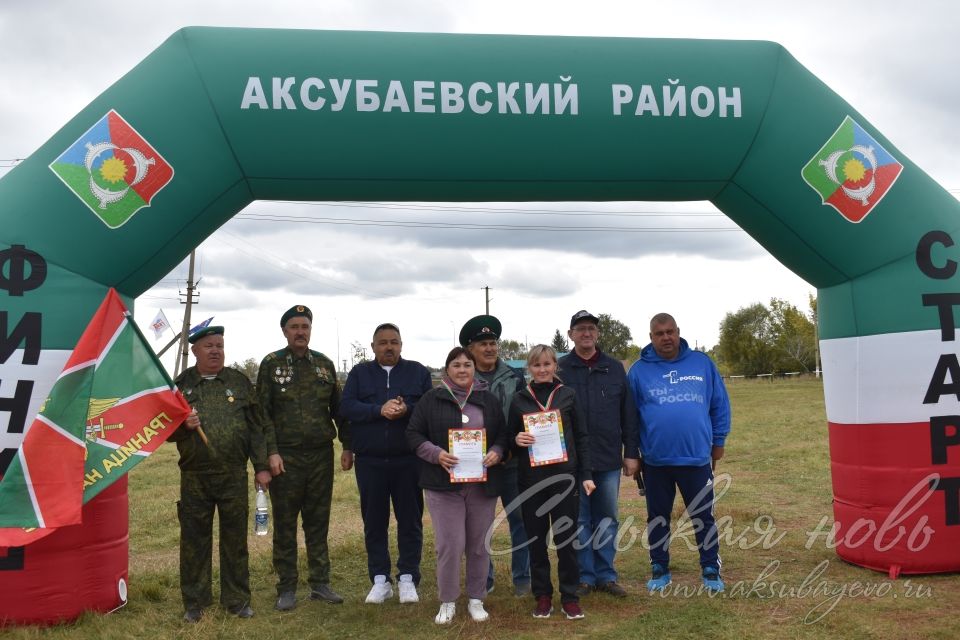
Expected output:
(380, 591)
(446, 613)
(476, 610)
(408, 590)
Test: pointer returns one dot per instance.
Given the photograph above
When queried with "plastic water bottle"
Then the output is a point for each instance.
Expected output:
(261, 517)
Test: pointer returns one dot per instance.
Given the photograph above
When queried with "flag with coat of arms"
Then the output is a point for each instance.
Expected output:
(112, 406)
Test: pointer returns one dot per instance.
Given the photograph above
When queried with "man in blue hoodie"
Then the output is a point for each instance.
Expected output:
(378, 400)
(684, 421)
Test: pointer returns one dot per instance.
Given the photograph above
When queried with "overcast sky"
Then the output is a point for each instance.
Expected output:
(896, 62)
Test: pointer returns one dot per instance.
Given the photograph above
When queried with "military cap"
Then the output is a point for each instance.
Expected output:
(583, 314)
(294, 311)
(203, 333)
(480, 328)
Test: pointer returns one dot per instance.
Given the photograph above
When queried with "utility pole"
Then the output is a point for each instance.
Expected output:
(181, 363)
(487, 297)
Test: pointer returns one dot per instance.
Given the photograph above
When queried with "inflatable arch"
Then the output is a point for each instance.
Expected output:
(216, 118)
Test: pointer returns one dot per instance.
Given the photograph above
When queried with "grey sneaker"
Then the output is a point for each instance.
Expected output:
(325, 593)
(192, 615)
(287, 601)
(241, 611)
(521, 589)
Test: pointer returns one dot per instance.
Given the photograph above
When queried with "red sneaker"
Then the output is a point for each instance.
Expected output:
(572, 610)
(544, 607)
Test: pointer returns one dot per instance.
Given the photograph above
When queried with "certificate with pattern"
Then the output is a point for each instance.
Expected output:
(549, 446)
(470, 447)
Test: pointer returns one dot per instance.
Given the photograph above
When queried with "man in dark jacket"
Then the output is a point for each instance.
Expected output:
(602, 392)
(378, 401)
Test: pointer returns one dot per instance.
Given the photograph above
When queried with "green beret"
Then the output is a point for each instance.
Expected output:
(203, 333)
(294, 311)
(480, 328)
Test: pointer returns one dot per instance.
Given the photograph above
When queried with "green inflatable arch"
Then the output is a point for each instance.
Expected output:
(217, 118)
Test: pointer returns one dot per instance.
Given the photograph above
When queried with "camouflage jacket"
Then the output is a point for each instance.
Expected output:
(300, 398)
(230, 418)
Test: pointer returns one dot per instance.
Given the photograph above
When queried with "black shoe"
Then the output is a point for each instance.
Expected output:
(584, 589)
(613, 589)
(241, 611)
(193, 615)
(287, 601)
(325, 593)
(521, 589)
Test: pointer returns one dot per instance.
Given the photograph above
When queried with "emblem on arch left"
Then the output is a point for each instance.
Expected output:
(113, 170)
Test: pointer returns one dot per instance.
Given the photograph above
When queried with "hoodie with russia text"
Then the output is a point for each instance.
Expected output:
(683, 407)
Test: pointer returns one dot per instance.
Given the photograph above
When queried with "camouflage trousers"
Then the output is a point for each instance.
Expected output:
(200, 495)
(304, 489)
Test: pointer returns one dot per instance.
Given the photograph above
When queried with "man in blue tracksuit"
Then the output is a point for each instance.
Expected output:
(602, 392)
(684, 422)
(378, 400)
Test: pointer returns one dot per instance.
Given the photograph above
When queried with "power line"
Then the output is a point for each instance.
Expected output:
(534, 212)
(466, 226)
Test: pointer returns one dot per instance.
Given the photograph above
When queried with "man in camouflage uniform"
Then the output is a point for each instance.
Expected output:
(215, 441)
(300, 396)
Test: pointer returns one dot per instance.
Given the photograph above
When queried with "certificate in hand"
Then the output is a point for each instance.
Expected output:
(547, 428)
(470, 447)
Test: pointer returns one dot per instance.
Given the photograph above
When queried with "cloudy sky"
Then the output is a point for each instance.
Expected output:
(357, 265)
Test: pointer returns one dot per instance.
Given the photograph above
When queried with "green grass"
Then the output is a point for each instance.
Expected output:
(779, 491)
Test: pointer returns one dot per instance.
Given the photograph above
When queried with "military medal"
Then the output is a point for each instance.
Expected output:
(284, 375)
(230, 397)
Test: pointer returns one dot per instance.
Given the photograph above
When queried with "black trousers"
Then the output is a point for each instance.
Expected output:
(552, 503)
(382, 481)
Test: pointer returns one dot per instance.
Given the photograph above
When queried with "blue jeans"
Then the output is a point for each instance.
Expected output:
(520, 557)
(598, 529)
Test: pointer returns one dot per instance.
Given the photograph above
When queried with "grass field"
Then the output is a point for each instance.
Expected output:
(781, 581)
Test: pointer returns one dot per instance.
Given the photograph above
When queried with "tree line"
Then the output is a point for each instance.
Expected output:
(777, 338)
